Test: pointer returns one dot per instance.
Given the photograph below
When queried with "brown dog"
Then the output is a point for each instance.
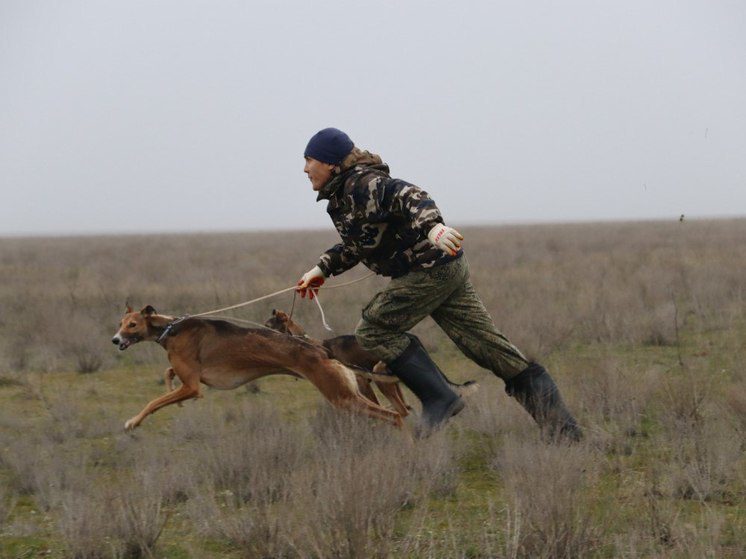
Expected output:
(225, 356)
(347, 350)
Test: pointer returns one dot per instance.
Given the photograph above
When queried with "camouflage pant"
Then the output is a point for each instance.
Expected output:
(446, 294)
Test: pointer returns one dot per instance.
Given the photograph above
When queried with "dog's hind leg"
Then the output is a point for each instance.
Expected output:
(391, 390)
(338, 385)
(168, 376)
(366, 389)
(393, 394)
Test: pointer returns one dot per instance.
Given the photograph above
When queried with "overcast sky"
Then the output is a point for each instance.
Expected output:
(139, 116)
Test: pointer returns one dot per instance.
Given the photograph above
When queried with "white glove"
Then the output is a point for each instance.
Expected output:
(445, 238)
(310, 282)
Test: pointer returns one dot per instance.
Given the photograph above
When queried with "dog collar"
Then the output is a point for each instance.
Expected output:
(167, 330)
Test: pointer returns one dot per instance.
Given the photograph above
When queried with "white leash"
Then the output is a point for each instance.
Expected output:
(323, 318)
(281, 291)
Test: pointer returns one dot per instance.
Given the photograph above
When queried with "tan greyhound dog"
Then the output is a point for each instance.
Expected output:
(347, 350)
(222, 355)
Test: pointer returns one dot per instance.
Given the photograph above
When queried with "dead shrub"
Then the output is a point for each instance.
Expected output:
(21, 457)
(348, 493)
(275, 490)
(87, 349)
(7, 503)
(549, 510)
(707, 462)
(702, 538)
(138, 508)
(736, 402)
(87, 525)
(490, 413)
(168, 467)
(686, 395)
(121, 516)
(10, 379)
(245, 457)
(87, 359)
(704, 460)
(258, 529)
(252, 454)
(613, 400)
(45, 470)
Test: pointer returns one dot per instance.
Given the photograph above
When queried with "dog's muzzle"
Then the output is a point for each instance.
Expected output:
(122, 342)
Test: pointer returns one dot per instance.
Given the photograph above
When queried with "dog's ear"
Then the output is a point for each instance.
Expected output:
(282, 315)
(148, 311)
(274, 312)
(127, 306)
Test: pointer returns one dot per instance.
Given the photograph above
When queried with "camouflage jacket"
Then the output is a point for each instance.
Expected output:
(383, 222)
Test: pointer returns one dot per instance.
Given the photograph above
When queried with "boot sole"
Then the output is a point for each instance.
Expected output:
(454, 409)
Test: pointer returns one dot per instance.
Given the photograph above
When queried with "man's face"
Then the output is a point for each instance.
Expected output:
(318, 172)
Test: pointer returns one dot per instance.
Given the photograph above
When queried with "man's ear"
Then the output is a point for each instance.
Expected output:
(148, 311)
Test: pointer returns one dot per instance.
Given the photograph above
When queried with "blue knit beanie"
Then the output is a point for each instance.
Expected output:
(329, 146)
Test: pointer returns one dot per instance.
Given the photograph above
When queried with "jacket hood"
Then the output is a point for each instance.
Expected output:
(353, 163)
(361, 157)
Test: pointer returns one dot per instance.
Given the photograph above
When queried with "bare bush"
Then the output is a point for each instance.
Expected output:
(350, 490)
(197, 422)
(19, 457)
(613, 399)
(56, 471)
(245, 457)
(271, 490)
(86, 346)
(140, 516)
(258, 529)
(549, 510)
(492, 414)
(88, 528)
(10, 379)
(706, 452)
(702, 538)
(87, 359)
(254, 453)
(707, 460)
(7, 503)
(168, 469)
(736, 403)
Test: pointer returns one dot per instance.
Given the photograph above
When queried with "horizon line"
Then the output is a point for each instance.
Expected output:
(259, 230)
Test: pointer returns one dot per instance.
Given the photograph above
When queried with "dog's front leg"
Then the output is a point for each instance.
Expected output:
(182, 393)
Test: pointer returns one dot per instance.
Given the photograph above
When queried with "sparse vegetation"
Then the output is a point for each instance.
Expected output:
(642, 324)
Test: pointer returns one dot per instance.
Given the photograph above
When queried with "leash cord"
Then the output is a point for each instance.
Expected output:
(281, 291)
(323, 318)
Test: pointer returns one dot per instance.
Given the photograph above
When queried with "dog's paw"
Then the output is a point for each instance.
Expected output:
(381, 368)
(130, 424)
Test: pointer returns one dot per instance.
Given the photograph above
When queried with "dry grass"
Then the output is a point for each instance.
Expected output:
(548, 513)
(642, 324)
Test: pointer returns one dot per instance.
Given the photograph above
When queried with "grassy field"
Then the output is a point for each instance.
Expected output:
(642, 324)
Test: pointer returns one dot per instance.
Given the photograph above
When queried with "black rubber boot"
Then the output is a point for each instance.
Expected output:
(536, 391)
(418, 373)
